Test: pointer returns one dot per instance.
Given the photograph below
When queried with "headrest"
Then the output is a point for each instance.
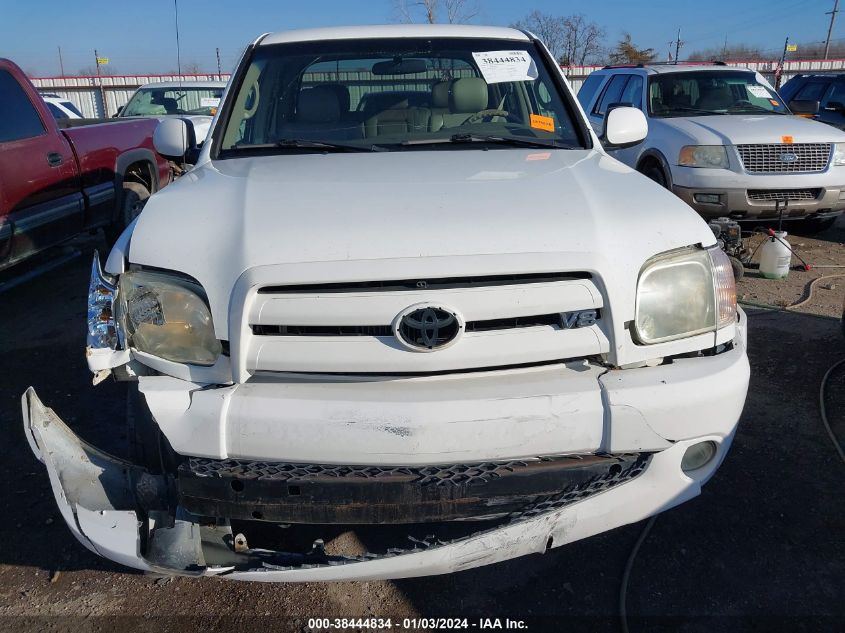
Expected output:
(469, 94)
(440, 94)
(342, 94)
(318, 105)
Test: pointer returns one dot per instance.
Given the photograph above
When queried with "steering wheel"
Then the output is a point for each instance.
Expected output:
(483, 114)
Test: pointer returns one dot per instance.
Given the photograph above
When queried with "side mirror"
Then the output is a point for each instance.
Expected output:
(835, 106)
(624, 127)
(804, 108)
(172, 138)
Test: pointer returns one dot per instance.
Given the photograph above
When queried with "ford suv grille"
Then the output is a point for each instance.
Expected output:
(783, 158)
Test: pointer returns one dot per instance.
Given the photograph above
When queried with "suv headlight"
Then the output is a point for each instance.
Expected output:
(683, 293)
(713, 156)
(167, 317)
(839, 154)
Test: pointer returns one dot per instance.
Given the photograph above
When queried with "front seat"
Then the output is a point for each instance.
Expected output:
(467, 96)
(398, 120)
(317, 116)
(718, 97)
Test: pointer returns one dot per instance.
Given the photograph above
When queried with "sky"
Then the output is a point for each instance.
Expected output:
(139, 37)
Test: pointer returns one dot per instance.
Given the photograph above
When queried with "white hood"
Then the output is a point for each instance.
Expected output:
(228, 216)
(737, 129)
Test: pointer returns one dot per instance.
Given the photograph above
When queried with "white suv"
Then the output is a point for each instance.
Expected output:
(433, 318)
(723, 140)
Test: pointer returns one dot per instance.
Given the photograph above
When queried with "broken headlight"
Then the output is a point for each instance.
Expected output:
(167, 317)
(683, 293)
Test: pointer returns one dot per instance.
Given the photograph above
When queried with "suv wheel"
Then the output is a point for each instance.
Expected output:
(655, 172)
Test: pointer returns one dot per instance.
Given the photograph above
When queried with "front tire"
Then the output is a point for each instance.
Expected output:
(134, 197)
(655, 172)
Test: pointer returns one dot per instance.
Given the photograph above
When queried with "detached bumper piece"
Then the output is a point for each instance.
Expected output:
(378, 495)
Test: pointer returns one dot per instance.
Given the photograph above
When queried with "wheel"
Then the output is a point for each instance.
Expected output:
(133, 198)
(655, 172)
(738, 268)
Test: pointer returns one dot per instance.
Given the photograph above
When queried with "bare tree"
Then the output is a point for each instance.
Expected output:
(570, 39)
(737, 52)
(584, 40)
(431, 11)
(549, 28)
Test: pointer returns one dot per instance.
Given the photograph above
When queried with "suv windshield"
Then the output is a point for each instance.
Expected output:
(163, 101)
(710, 92)
(358, 95)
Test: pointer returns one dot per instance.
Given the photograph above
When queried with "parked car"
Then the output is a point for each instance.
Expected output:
(724, 141)
(195, 101)
(828, 91)
(61, 108)
(56, 183)
(462, 326)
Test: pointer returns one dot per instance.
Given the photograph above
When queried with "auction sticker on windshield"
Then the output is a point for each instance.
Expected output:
(499, 66)
(759, 91)
(540, 122)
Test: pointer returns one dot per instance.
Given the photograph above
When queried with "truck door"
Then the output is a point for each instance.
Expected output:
(40, 199)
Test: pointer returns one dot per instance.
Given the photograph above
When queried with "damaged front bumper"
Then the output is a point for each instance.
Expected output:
(120, 511)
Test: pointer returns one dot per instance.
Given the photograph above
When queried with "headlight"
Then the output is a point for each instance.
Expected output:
(167, 317)
(683, 293)
(714, 156)
(839, 154)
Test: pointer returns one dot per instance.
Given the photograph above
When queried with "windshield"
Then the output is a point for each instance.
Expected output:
(164, 101)
(398, 94)
(710, 92)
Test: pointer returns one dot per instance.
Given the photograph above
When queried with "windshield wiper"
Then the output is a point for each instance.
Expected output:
(695, 110)
(469, 137)
(297, 143)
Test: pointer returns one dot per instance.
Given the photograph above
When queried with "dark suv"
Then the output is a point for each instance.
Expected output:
(828, 90)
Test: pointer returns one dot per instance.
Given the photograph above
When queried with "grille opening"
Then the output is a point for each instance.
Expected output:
(426, 284)
(510, 323)
(792, 195)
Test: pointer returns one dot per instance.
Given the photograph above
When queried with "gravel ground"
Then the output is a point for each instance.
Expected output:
(761, 549)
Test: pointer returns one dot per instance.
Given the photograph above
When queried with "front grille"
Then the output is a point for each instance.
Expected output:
(783, 158)
(486, 325)
(764, 195)
(348, 494)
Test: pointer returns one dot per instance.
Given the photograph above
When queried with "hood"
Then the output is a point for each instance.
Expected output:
(738, 129)
(228, 216)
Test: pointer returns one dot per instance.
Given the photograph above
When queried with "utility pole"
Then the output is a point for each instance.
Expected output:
(61, 62)
(100, 82)
(779, 69)
(678, 44)
(219, 74)
(832, 15)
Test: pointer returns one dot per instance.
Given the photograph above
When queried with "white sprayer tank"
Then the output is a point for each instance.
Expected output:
(775, 256)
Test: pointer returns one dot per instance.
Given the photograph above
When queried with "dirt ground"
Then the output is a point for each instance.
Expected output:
(760, 550)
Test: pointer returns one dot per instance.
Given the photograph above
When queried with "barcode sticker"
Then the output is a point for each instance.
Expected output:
(499, 66)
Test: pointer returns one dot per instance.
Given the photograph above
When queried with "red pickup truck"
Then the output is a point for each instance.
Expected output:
(56, 183)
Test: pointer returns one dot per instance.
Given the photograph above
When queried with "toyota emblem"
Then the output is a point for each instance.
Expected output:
(427, 327)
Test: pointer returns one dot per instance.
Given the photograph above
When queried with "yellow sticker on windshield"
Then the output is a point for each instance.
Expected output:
(540, 122)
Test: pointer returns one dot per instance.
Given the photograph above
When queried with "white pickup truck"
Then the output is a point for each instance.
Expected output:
(724, 141)
(445, 319)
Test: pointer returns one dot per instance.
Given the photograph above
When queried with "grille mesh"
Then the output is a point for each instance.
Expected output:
(769, 158)
(783, 194)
